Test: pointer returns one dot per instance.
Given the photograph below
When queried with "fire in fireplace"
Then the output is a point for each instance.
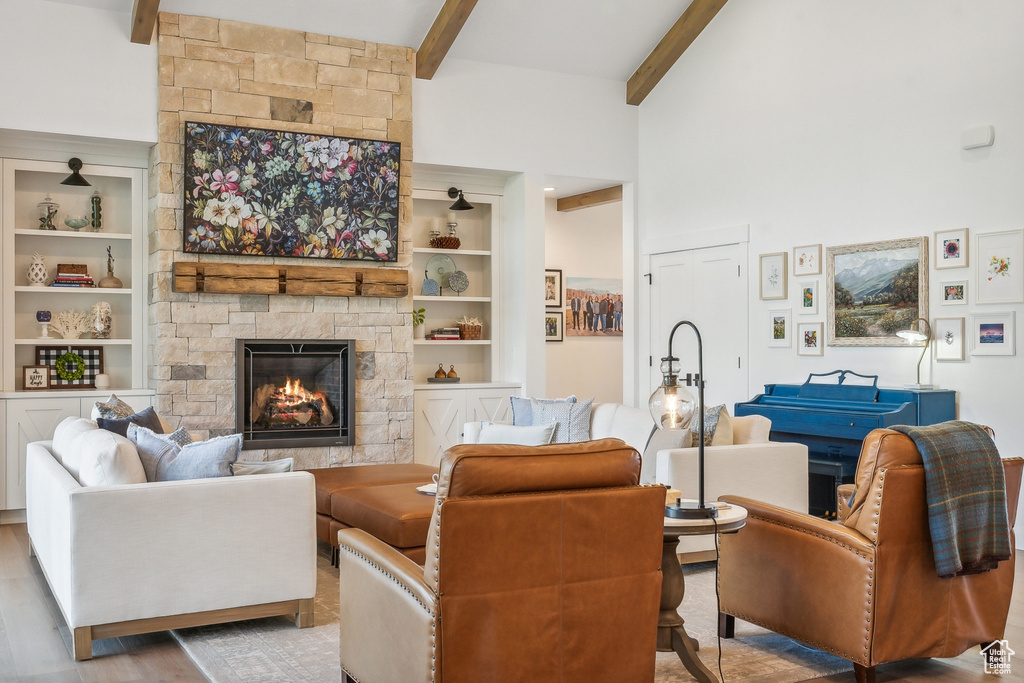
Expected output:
(295, 393)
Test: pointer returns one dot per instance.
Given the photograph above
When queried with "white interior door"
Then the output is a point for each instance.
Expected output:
(708, 287)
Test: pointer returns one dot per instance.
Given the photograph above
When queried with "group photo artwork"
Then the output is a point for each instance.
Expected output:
(593, 307)
(256, 192)
(875, 290)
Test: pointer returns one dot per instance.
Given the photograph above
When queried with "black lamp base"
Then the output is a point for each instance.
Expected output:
(690, 510)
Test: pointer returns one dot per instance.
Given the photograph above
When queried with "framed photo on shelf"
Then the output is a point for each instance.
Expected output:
(554, 322)
(993, 334)
(773, 275)
(1000, 278)
(553, 288)
(780, 328)
(71, 366)
(809, 298)
(807, 260)
(954, 293)
(35, 377)
(875, 289)
(809, 339)
(949, 338)
(951, 249)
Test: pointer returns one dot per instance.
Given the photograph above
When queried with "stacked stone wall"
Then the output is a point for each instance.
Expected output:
(233, 73)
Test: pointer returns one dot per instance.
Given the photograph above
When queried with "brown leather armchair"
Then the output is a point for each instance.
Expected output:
(864, 588)
(543, 564)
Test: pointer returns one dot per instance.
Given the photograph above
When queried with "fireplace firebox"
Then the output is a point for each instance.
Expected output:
(291, 394)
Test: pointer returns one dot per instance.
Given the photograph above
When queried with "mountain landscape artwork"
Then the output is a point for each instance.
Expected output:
(875, 290)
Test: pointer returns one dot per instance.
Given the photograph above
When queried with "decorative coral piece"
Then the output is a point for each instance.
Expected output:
(71, 324)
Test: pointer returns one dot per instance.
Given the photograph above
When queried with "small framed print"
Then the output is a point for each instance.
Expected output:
(999, 267)
(993, 334)
(773, 275)
(780, 328)
(809, 298)
(954, 293)
(807, 260)
(35, 377)
(553, 325)
(949, 338)
(810, 341)
(553, 288)
(951, 249)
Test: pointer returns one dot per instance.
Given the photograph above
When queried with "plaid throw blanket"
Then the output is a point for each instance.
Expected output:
(966, 494)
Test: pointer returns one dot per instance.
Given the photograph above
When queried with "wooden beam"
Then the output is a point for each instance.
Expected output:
(441, 35)
(144, 21)
(248, 278)
(595, 198)
(698, 15)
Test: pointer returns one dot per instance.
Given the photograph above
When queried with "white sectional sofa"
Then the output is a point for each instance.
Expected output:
(136, 558)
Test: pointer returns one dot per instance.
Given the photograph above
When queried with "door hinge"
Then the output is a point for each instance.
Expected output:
(650, 361)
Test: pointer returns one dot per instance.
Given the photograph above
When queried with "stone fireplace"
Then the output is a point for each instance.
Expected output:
(234, 73)
(295, 393)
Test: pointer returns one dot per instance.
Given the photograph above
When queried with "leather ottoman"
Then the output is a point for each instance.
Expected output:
(376, 510)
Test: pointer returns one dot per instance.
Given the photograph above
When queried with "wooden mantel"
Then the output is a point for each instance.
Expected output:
(234, 278)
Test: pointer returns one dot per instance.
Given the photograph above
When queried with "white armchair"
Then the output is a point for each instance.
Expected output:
(136, 558)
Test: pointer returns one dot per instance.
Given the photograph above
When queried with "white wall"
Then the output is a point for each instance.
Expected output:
(72, 70)
(584, 243)
(839, 122)
(535, 123)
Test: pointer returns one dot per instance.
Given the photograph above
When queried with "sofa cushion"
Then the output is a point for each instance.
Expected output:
(717, 427)
(146, 418)
(662, 439)
(242, 467)
(98, 457)
(112, 408)
(165, 460)
(65, 434)
(750, 429)
(533, 435)
(331, 479)
(522, 411)
(573, 419)
(179, 436)
(397, 514)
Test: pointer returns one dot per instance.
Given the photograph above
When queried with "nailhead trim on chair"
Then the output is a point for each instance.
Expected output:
(865, 657)
(386, 573)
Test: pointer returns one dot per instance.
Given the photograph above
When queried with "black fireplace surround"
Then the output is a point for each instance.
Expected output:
(295, 393)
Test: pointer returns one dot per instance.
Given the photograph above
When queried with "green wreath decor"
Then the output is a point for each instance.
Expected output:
(70, 367)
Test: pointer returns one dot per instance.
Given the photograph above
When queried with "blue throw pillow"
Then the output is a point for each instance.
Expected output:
(164, 460)
(522, 413)
(147, 418)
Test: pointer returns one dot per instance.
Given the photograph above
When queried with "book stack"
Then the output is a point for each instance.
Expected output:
(72, 275)
(445, 333)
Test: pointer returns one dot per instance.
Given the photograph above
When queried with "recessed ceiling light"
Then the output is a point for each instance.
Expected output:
(549, 189)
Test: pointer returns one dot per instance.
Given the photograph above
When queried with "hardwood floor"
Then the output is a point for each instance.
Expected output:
(35, 644)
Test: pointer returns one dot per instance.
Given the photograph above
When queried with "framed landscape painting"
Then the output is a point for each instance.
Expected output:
(256, 192)
(875, 290)
(993, 335)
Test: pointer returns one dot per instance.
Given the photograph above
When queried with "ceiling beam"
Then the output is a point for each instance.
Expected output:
(698, 15)
(595, 198)
(441, 35)
(144, 21)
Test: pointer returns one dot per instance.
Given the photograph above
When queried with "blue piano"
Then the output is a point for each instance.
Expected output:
(832, 412)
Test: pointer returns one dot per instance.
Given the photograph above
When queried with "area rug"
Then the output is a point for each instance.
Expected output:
(273, 650)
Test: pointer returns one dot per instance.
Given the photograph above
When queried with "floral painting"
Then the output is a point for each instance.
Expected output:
(272, 193)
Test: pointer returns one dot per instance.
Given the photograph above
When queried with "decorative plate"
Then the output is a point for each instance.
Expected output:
(458, 282)
(439, 267)
(431, 287)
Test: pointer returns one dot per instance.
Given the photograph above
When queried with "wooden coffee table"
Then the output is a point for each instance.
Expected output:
(671, 634)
